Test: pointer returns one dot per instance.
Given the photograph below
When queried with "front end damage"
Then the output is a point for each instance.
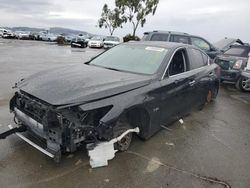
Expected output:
(60, 129)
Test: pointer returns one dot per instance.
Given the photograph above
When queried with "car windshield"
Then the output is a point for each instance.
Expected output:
(238, 51)
(112, 39)
(138, 59)
(96, 38)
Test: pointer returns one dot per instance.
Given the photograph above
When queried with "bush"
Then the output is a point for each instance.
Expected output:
(61, 40)
(130, 37)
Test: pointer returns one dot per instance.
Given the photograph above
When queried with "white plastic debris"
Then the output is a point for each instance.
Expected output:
(181, 121)
(105, 151)
(170, 143)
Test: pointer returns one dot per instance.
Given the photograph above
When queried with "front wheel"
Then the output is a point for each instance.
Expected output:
(121, 126)
(244, 84)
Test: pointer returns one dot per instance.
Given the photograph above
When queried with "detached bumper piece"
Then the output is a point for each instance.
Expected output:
(102, 152)
(55, 155)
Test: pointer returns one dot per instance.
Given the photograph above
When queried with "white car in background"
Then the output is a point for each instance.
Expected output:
(45, 36)
(111, 41)
(8, 34)
(96, 42)
(22, 34)
(2, 31)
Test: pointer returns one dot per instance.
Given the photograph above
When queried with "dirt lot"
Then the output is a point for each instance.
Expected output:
(214, 142)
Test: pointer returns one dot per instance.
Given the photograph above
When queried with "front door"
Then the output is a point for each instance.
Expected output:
(176, 87)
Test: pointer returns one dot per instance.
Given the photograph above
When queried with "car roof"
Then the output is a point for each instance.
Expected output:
(167, 45)
(168, 32)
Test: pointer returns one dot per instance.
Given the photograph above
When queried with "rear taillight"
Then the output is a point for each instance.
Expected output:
(237, 64)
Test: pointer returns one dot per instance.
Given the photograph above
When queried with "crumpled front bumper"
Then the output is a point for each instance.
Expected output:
(55, 155)
(37, 132)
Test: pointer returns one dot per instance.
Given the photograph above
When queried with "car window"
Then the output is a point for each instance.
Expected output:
(179, 39)
(145, 36)
(112, 39)
(132, 58)
(205, 58)
(238, 51)
(196, 59)
(159, 37)
(177, 64)
(200, 43)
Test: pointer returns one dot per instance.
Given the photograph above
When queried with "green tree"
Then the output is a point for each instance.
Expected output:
(135, 11)
(111, 19)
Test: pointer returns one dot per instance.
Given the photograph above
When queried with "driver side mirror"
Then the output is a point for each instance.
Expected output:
(212, 48)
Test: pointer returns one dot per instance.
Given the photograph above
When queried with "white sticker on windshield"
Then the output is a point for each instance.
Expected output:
(157, 49)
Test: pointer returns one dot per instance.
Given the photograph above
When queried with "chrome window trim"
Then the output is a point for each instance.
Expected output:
(183, 73)
(208, 58)
(163, 75)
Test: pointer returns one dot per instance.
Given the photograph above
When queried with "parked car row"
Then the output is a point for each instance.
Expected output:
(95, 42)
(26, 35)
(76, 41)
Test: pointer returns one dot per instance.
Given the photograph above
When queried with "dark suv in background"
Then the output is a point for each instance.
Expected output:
(170, 36)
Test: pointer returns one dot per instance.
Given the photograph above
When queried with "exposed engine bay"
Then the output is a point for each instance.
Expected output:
(63, 130)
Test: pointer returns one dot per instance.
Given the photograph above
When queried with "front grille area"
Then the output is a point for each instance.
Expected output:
(31, 107)
(225, 64)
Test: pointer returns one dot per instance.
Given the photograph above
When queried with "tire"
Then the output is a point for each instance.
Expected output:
(209, 96)
(121, 126)
(244, 84)
(215, 92)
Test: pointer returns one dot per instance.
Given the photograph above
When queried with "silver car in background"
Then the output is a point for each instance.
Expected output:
(96, 42)
(244, 83)
(111, 41)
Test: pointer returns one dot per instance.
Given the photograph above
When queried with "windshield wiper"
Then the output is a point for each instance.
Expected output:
(112, 69)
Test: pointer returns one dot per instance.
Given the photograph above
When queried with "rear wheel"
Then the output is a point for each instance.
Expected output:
(215, 91)
(244, 84)
(209, 96)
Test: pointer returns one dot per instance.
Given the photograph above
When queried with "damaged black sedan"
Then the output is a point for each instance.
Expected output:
(137, 84)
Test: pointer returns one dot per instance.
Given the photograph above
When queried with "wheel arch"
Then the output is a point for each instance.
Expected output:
(138, 116)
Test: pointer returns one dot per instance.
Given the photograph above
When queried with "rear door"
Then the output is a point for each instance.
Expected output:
(203, 75)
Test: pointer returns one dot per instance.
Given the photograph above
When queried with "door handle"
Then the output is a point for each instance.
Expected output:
(192, 83)
(178, 81)
(211, 74)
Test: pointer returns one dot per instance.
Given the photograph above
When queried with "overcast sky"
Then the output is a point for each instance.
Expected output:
(212, 19)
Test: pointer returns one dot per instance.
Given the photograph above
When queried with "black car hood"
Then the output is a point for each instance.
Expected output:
(80, 83)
